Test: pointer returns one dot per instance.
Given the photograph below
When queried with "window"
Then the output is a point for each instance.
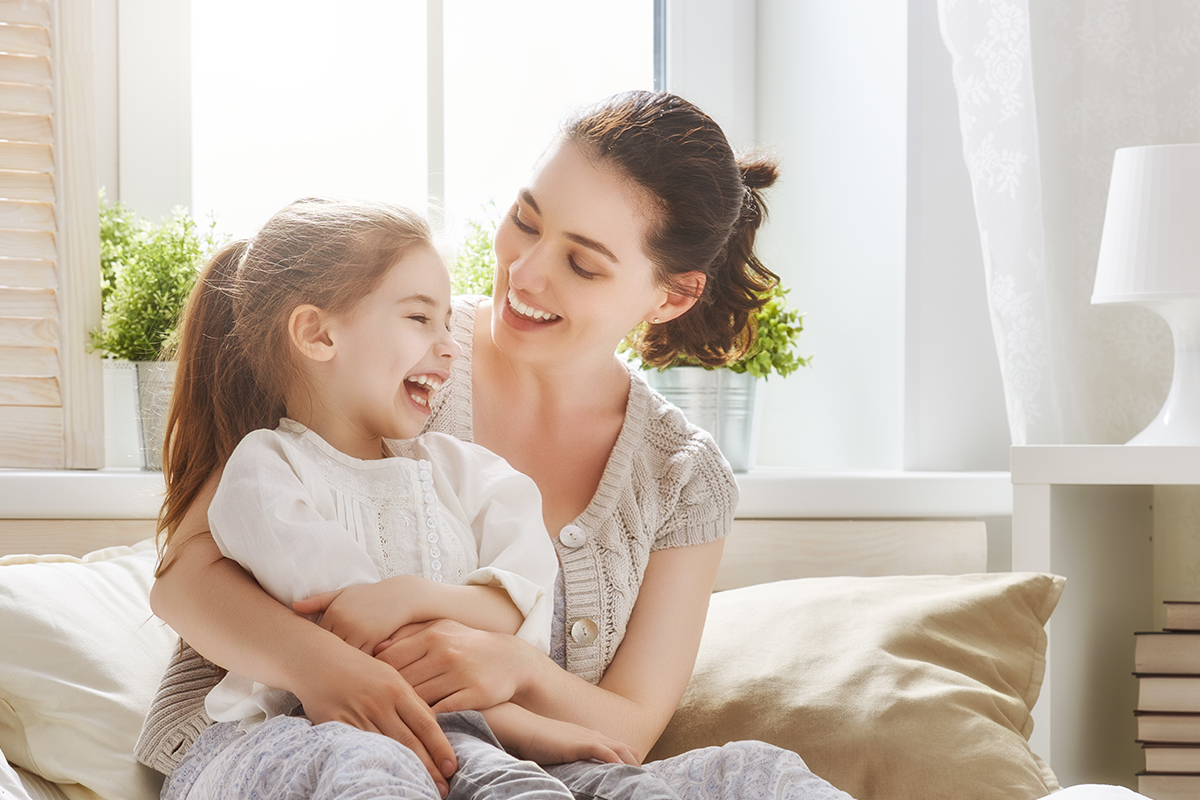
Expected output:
(400, 101)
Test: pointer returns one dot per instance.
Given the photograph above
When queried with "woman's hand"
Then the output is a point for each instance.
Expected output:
(368, 695)
(362, 616)
(550, 741)
(454, 668)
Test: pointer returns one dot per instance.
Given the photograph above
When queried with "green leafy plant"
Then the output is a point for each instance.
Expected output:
(147, 272)
(474, 266)
(777, 335)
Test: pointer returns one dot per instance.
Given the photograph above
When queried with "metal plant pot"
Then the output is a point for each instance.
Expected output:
(726, 404)
(155, 380)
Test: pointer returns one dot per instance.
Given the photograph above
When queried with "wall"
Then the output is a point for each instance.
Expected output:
(873, 228)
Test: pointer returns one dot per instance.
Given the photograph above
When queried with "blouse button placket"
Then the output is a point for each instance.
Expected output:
(430, 519)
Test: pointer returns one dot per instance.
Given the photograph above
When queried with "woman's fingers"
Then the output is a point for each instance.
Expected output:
(424, 737)
(403, 633)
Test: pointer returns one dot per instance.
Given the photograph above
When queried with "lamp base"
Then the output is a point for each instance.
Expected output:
(1178, 422)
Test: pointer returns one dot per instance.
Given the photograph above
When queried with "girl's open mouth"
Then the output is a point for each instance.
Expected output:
(421, 388)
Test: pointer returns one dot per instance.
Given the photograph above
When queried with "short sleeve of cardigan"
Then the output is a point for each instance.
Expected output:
(697, 489)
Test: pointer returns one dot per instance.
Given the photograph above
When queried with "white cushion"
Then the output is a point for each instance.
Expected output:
(82, 657)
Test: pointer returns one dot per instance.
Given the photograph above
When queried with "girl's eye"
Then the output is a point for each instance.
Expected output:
(580, 271)
(516, 220)
(421, 318)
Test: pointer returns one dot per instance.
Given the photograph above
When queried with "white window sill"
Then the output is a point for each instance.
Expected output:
(766, 493)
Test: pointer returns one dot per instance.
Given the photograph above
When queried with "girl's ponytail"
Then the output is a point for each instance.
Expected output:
(214, 393)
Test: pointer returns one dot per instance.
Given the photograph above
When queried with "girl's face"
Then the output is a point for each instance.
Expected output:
(391, 352)
(571, 277)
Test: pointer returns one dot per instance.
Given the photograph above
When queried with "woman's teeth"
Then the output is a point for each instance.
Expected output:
(528, 311)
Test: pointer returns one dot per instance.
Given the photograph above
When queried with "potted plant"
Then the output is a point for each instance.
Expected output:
(727, 401)
(147, 273)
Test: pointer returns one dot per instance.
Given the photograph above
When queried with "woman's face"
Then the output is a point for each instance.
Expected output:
(571, 277)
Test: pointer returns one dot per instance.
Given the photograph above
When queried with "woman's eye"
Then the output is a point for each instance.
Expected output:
(580, 271)
(516, 220)
(421, 318)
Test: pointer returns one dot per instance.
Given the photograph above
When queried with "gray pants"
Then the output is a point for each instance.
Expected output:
(289, 758)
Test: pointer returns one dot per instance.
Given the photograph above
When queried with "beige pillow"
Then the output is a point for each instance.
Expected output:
(81, 658)
(890, 688)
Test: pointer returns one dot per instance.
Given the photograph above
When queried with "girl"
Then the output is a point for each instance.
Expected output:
(639, 212)
(319, 345)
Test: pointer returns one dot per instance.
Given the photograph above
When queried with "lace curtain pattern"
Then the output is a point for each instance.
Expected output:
(1047, 91)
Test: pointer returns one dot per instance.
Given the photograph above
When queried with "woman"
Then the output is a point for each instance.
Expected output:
(639, 214)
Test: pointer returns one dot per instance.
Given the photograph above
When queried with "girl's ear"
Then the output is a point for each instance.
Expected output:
(686, 291)
(308, 327)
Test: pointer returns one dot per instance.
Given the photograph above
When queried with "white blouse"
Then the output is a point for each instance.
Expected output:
(305, 518)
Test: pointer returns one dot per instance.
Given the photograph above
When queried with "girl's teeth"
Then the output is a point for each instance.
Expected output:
(527, 311)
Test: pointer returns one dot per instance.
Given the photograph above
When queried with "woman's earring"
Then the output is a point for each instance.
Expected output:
(656, 320)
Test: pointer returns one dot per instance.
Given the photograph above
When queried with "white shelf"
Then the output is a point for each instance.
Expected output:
(765, 494)
(787, 494)
(112, 493)
(1087, 512)
(1105, 464)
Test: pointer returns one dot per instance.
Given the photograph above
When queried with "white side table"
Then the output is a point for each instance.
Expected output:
(1086, 512)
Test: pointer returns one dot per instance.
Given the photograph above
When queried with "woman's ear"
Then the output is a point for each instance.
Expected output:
(308, 327)
(683, 294)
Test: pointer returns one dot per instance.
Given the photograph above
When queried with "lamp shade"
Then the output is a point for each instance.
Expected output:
(1150, 248)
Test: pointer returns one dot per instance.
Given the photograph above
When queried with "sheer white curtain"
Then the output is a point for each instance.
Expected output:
(1047, 91)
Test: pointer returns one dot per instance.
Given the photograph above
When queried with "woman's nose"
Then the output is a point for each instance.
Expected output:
(528, 272)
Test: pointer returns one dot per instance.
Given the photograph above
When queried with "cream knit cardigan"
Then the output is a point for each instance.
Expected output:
(665, 485)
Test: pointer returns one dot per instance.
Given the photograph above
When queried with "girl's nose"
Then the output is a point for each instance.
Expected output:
(446, 347)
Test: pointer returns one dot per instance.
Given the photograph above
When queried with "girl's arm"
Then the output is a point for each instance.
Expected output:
(219, 609)
(366, 614)
(457, 668)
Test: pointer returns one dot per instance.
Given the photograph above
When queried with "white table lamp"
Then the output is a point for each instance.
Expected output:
(1150, 256)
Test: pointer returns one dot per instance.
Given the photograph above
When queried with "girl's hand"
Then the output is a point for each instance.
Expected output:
(550, 741)
(454, 668)
(363, 615)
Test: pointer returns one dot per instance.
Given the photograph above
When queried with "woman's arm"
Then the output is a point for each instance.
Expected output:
(551, 741)
(220, 610)
(457, 668)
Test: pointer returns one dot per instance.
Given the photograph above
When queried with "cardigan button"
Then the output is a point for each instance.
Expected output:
(572, 536)
(584, 631)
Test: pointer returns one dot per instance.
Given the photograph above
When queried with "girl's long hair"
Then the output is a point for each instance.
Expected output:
(236, 361)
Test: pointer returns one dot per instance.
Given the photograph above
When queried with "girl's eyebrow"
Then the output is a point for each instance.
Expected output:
(578, 238)
(422, 299)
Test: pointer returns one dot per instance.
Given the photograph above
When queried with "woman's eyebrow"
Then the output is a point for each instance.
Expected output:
(578, 238)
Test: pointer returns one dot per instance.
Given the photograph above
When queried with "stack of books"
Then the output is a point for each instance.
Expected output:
(1167, 666)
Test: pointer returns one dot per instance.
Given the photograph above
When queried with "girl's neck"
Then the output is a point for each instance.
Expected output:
(337, 432)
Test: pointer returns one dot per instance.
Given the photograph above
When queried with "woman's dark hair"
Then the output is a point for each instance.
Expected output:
(709, 205)
(236, 361)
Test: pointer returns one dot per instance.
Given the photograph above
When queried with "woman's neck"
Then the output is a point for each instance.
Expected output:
(590, 383)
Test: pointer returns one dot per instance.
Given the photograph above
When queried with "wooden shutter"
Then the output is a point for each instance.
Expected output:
(51, 394)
